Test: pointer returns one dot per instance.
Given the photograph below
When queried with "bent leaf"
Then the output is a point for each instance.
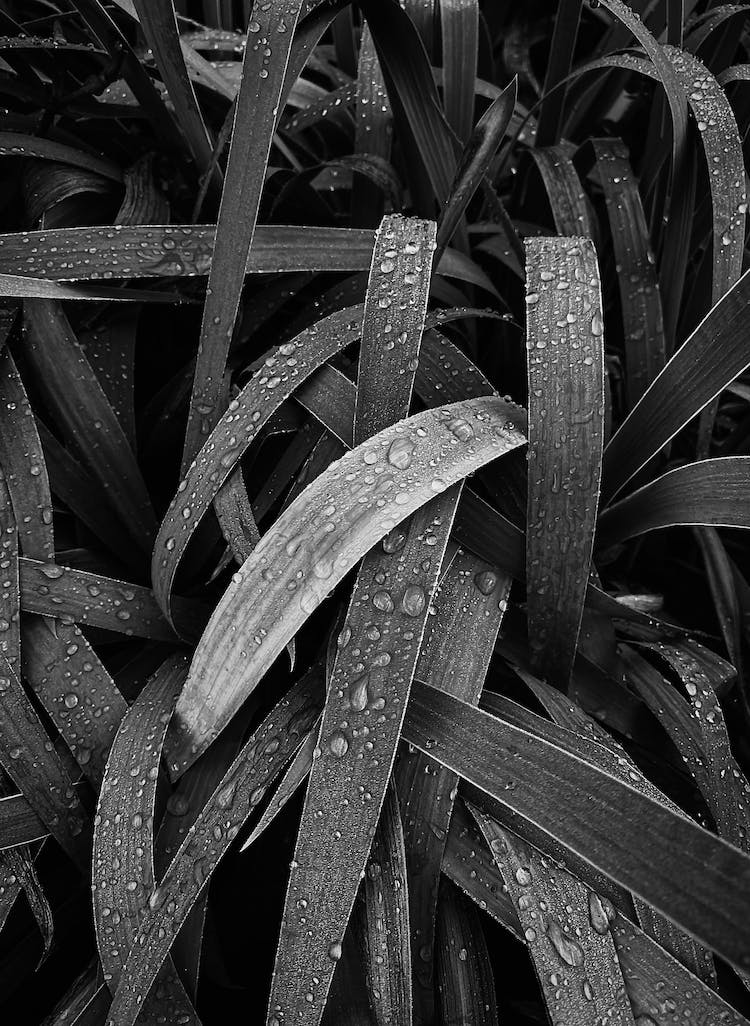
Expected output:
(363, 496)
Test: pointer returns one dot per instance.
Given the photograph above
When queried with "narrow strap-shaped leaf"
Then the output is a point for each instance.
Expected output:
(459, 24)
(721, 144)
(75, 688)
(367, 695)
(455, 657)
(106, 30)
(84, 413)
(123, 862)
(86, 598)
(412, 92)
(705, 898)
(22, 460)
(237, 796)
(234, 512)
(566, 928)
(645, 966)
(147, 251)
(273, 383)
(16, 144)
(10, 597)
(564, 190)
(110, 349)
(373, 128)
(617, 762)
(715, 492)
(562, 48)
(724, 591)
(160, 26)
(466, 987)
(386, 480)
(640, 299)
(385, 920)
(566, 407)
(474, 164)
(30, 760)
(255, 114)
(715, 354)
(707, 751)
(393, 322)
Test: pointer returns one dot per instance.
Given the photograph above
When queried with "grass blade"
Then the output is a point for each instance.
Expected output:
(645, 966)
(566, 405)
(563, 187)
(22, 460)
(562, 47)
(160, 26)
(51, 589)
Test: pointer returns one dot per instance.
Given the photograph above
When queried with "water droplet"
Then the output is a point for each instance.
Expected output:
(400, 453)
(486, 581)
(414, 600)
(338, 744)
(382, 600)
(568, 949)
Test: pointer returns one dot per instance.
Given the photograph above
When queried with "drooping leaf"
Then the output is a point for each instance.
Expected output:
(419, 458)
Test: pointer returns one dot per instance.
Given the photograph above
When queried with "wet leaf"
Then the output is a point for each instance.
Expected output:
(417, 459)
(566, 403)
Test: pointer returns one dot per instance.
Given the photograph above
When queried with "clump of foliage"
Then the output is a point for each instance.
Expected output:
(374, 446)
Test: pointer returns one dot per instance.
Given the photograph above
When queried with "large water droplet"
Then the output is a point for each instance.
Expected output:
(400, 453)
(414, 600)
(569, 950)
(338, 744)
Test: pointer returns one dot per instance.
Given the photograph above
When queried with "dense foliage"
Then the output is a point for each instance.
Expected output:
(374, 465)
